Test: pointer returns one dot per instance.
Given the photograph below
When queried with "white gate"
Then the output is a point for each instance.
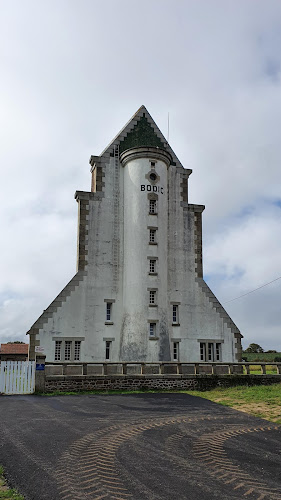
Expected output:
(17, 377)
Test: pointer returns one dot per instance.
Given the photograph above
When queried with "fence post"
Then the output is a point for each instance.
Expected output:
(230, 369)
(263, 369)
(40, 373)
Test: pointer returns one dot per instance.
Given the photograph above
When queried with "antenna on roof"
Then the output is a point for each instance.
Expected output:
(168, 126)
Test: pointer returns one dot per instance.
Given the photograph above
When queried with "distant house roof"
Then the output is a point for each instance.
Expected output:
(14, 349)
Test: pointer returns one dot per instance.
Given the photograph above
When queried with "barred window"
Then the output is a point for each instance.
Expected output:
(152, 235)
(152, 266)
(67, 350)
(58, 350)
(152, 206)
(77, 350)
(152, 296)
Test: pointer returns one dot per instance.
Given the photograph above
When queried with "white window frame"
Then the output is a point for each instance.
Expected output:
(58, 346)
(210, 351)
(67, 350)
(77, 350)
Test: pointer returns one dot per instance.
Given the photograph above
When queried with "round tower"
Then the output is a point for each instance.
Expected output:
(144, 332)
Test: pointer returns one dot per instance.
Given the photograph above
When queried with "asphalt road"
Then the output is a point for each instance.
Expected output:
(143, 446)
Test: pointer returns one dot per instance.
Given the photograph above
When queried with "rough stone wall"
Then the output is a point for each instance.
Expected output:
(176, 382)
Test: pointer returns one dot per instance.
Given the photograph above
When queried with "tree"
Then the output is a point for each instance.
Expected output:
(256, 348)
(16, 342)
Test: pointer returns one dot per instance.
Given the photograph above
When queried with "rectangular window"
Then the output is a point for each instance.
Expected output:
(108, 311)
(175, 313)
(152, 206)
(107, 349)
(176, 346)
(58, 350)
(67, 350)
(202, 351)
(77, 350)
(152, 297)
(210, 351)
(218, 352)
(152, 266)
(152, 235)
(152, 329)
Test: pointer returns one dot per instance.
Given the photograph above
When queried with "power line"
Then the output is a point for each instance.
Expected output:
(253, 290)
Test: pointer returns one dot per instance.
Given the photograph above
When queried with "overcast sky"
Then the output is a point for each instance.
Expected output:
(72, 74)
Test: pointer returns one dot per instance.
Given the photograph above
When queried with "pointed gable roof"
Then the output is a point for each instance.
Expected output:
(141, 130)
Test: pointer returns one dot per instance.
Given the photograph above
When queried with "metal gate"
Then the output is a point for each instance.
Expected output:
(17, 377)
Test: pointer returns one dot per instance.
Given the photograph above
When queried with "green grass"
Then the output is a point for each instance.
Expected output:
(6, 492)
(256, 370)
(262, 356)
(260, 401)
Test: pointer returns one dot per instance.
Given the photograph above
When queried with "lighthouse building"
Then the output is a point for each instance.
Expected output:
(138, 294)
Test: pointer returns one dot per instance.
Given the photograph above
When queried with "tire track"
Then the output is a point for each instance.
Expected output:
(89, 469)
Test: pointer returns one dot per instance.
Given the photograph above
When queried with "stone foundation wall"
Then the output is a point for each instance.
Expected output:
(78, 383)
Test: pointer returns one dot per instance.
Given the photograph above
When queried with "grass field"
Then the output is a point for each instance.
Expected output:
(262, 356)
(259, 401)
(256, 370)
(5, 491)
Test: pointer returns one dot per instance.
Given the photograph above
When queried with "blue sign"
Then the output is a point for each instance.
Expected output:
(40, 366)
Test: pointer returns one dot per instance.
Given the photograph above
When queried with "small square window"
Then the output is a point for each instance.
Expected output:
(152, 163)
(152, 329)
(152, 266)
(152, 296)
(152, 206)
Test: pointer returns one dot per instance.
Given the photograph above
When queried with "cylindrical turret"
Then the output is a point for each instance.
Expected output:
(144, 333)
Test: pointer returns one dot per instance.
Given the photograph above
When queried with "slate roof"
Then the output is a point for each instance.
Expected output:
(141, 130)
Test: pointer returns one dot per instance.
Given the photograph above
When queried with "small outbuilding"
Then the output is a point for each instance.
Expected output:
(14, 352)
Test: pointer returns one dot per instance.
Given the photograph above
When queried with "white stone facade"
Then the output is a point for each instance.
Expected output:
(139, 293)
